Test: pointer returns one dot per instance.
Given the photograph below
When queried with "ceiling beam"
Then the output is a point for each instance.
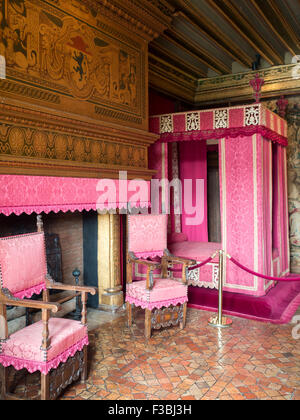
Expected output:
(187, 67)
(175, 70)
(238, 21)
(194, 49)
(284, 22)
(209, 29)
(262, 12)
(169, 79)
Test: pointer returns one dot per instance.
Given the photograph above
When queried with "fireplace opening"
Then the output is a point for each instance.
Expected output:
(86, 241)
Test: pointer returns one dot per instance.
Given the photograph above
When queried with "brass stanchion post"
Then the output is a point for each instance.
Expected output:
(220, 320)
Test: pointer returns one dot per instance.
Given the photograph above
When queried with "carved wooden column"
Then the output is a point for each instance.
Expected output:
(109, 273)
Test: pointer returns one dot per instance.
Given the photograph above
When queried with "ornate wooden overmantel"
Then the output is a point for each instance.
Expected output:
(75, 98)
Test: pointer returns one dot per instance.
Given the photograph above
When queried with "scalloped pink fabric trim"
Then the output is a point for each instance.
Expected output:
(28, 293)
(146, 255)
(224, 133)
(43, 367)
(64, 208)
(156, 305)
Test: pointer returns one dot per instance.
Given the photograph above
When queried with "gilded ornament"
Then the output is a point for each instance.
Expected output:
(16, 140)
(111, 153)
(39, 140)
(79, 150)
(60, 146)
(95, 151)
(103, 153)
(124, 155)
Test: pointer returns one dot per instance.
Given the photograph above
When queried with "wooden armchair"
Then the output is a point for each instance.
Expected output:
(164, 299)
(54, 346)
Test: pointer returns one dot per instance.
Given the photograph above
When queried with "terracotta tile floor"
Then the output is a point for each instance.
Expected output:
(248, 361)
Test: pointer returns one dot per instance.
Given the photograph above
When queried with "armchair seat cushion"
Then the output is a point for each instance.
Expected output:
(164, 293)
(23, 348)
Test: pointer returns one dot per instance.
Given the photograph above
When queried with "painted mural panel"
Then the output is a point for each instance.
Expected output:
(294, 183)
(293, 163)
(63, 54)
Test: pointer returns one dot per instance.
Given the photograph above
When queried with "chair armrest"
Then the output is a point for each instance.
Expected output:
(180, 260)
(132, 259)
(150, 267)
(74, 288)
(8, 299)
(144, 262)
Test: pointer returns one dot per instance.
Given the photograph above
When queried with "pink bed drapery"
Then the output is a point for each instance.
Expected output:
(193, 167)
(283, 210)
(254, 211)
(36, 194)
(158, 161)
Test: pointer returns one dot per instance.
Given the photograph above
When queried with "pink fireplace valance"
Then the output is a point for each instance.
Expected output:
(221, 123)
(37, 194)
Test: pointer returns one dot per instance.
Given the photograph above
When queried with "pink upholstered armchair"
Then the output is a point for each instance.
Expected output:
(54, 346)
(164, 299)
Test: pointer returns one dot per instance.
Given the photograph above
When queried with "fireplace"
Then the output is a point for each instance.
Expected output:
(87, 241)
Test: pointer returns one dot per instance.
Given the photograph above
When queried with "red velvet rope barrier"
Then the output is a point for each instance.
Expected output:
(261, 275)
(177, 270)
(201, 264)
(194, 267)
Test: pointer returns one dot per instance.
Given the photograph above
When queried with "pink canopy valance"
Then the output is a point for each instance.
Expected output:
(36, 194)
(221, 123)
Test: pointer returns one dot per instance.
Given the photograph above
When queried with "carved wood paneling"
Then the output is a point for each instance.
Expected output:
(167, 317)
(65, 374)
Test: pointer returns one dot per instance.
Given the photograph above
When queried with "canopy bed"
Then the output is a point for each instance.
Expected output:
(251, 143)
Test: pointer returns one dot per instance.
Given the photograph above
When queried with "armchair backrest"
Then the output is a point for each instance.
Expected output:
(23, 266)
(147, 235)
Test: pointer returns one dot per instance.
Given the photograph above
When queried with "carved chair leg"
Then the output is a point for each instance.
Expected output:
(129, 314)
(45, 387)
(147, 323)
(4, 379)
(85, 367)
(182, 324)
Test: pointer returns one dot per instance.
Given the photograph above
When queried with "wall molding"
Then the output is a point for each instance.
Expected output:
(42, 143)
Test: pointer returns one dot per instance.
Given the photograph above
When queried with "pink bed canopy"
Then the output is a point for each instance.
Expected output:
(251, 142)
